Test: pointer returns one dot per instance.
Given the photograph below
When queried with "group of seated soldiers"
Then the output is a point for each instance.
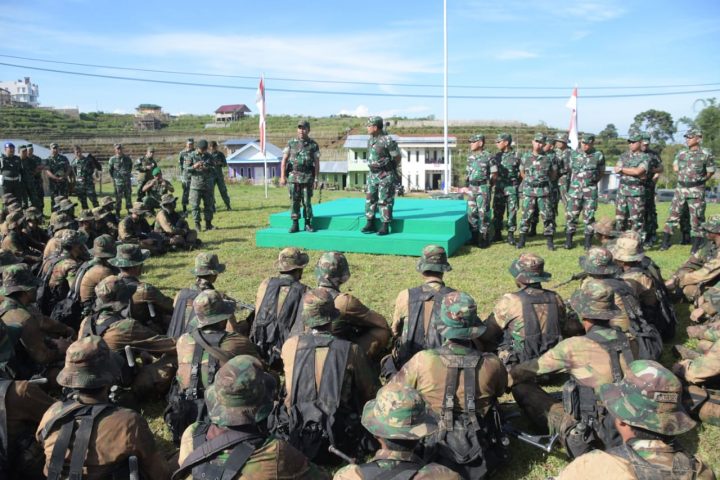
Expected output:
(312, 376)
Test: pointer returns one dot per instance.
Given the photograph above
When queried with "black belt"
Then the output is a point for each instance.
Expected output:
(478, 183)
(696, 183)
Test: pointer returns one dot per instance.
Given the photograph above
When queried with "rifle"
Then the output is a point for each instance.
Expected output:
(543, 442)
(335, 451)
(576, 276)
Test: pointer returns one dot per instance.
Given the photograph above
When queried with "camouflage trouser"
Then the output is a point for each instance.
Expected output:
(695, 199)
(478, 208)
(584, 200)
(140, 194)
(220, 182)
(57, 189)
(123, 190)
(380, 190)
(564, 188)
(630, 213)
(554, 198)
(153, 380)
(505, 197)
(532, 206)
(85, 191)
(206, 195)
(301, 195)
(651, 224)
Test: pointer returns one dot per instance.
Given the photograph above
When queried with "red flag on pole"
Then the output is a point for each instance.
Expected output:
(573, 130)
(260, 102)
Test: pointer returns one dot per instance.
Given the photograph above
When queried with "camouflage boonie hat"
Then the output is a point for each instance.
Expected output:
(88, 364)
(599, 261)
(69, 238)
(375, 121)
(57, 199)
(458, 317)
(503, 137)
(635, 137)
(645, 137)
(168, 199)
(113, 293)
(562, 137)
(587, 138)
(104, 247)
(606, 227)
(332, 266)
(9, 335)
(8, 258)
(529, 268)
(210, 308)
(318, 308)
(207, 264)
(17, 278)
(627, 249)
(139, 208)
(594, 301)
(14, 220)
(107, 201)
(63, 221)
(540, 138)
(479, 137)
(693, 132)
(290, 259)
(241, 393)
(100, 213)
(398, 412)
(65, 205)
(129, 255)
(7, 198)
(33, 213)
(649, 397)
(85, 216)
(712, 224)
(433, 259)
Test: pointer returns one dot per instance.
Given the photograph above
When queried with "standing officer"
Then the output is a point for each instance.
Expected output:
(632, 167)
(301, 161)
(144, 167)
(655, 168)
(220, 162)
(57, 168)
(506, 188)
(25, 174)
(35, 167)
(562, 159)
(586, 170)
(694, 167)
(184, 163)
(120, 168)
(85, 168)
(481, 176)
(201, 174)
(11, 172)
(537, 171)
(383, 160)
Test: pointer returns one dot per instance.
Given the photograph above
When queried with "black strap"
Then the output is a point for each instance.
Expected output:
(4, 441)
(74, 291)
(208, 449)
(417, 337)
(536, 341)
(455, 363)
(271, 328)
(400, 471)
(212, 346)
(195, 388)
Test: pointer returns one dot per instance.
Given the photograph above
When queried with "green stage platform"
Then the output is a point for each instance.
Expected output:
(416, 223)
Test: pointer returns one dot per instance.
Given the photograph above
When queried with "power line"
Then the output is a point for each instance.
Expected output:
(347, 82)
(358, 94)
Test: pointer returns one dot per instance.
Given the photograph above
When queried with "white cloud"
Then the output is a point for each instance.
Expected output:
(512, 11)
(359, 111)
(515, 55)
(119, 111)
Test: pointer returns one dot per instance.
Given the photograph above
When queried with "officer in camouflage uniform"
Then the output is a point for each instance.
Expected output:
(481, 176)
(57, 168)
(694, 167)
(300, 168)
(506, 188)
(26, 200)
(563, 155)
(537, 171)
(220, 162)
(632, 167)
(35, 184)
(17, 241)
(184, 163)
(114, 433)
(383, 160)
(238, 403)
(154, 189)
(655, 168)
(586, 170)
(120, 169)
(648, 414)
(144, 167)
(84, 168)
(11, 170)
(399, 419)
(201, 174)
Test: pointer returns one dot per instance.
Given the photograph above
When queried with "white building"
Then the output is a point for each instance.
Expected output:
(248, 162)
(22, 91)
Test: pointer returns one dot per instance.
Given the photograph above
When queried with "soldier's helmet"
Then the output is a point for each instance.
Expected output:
(529, 268)
(332, 268)
(649, 397)
(458, 317)
(628, 249)
(318, 308)
(399, 412)
(207, 264)
(290, 259)
(139, 208)
(433, 259)
(168, 199)
(9, 335)
(129, 255)
(712, 224)
(88, 364)
(606, 227)
(375, 121)
(599, 261)
(104, 247)
(211, 308)
(241, 393)
(7, 258)
(14, 220)
(17, 278)
(594, 301)
(113, 293)
(66, 205)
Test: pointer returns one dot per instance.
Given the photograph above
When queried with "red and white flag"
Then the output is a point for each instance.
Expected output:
(573, 130)
(260, 102)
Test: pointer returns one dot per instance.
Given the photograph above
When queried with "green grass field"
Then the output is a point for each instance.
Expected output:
(376, 280)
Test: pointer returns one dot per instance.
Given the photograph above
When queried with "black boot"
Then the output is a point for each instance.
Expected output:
(228, 207)
(308, 226)
(497, 235)
(685, 239)
(521, 242)
(511, 238)
(209, 226)
(550, 243)
(666, 242)
(484, 240)
(369, 226)
(588, 241)
(295, 227)
(697, 243)
(384, 229)
(568, 240)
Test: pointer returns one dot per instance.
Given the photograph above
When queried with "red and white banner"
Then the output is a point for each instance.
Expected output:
(573, 130)
(260, 102)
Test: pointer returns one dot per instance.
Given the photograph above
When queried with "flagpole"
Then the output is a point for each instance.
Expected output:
(446, 156)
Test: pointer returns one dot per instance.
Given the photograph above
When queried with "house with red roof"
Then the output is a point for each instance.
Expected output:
(230, 113)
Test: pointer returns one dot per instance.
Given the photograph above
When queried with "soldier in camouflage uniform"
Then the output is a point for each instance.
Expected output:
(480, 178)
(113, 437)
(11, 170)
(563, 155)
(647, 412)
(399, 419)
(154, 189)
(35, 184)
(17, 242)
(655, 168)
(144, 167)
(506, 188)
(86, 224)
(586, 170)
(694, 167)
(35, 234)
(219, 163)
(201, 174)
(537, 171)
(632, 167)
(300, 168)
(135, 229)
(57, 168)
(238, 403)
(120, 169)
(84, 167)
(74, 253)
(700, 373)
(184, 163)
(604, 230)
(174, 226)
(700, 271)
(383, 160)
(26, 200)
(102, 251)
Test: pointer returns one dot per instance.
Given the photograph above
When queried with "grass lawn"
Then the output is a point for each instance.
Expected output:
(376, 280)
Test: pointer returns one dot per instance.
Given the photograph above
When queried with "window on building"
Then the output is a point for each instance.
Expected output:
(356, 178)
(364, 154)
(364, 177)
(242, 171)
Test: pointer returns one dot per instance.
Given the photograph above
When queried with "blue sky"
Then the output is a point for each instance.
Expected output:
(495, 43)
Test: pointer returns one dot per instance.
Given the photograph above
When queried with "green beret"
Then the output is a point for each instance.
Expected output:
(156, 171)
